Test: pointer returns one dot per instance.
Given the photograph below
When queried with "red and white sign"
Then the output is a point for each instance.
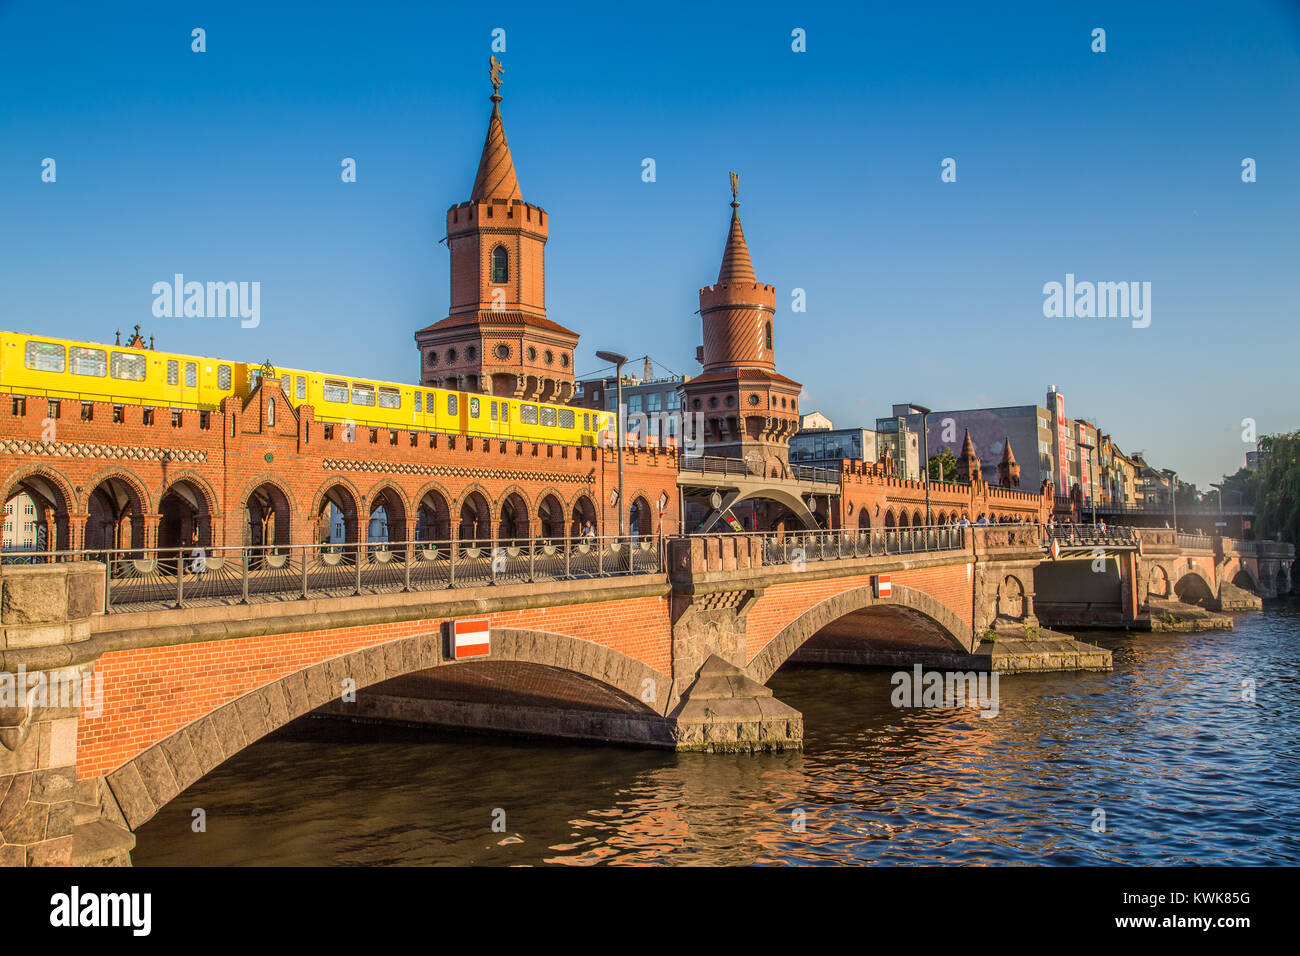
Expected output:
(1056, 548)
(883, 586)
(469, 638)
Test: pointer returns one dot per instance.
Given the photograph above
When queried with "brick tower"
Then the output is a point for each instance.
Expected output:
(749, 410)
(1008, 467)
(496, 338)
(968, 463)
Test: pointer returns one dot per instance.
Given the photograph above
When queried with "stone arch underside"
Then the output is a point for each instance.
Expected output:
(908, 619)
(153, 778)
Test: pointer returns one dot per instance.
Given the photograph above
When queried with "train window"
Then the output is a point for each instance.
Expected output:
(567, 418)
(390, 398)
(173, 372)
(191, 375)
(429, 406)
(586, 422)
(419, 402)
(528, 414)
(302, 387)
(505, 411)
(493, 416)
(451, 404)
(223, 377)
(473, 408)
(286, 384)
(85, 361)
(548, 416)
(336, 391)
(363, 394)
(127, 365)
(45, 357)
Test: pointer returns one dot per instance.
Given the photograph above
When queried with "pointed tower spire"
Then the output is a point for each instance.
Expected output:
(496, 170)
(1008, 469)
(968, 463)
(736, 264)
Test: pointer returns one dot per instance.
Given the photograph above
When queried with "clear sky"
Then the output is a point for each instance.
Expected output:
(1115, 166)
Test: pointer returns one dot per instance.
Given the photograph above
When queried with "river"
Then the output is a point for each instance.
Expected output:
(1184, 770)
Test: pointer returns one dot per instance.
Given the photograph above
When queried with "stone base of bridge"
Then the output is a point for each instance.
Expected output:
(1168, 615)
(1009, 650)
(724, 711)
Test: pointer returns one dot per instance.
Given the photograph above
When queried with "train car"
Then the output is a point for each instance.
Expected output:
(45, 365)
(65, 368)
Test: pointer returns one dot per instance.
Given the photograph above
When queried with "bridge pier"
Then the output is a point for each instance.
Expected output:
(47, 816)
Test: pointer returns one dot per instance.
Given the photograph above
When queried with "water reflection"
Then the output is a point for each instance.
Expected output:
(1185, 771)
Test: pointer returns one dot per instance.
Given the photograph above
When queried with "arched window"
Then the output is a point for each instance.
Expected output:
(767, 338)
(500, 265)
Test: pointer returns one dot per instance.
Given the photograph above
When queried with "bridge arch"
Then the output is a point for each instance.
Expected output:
(391, 498)
(1246, 578)
(932, 622)
(187, 507)
(581, 510)
(54, 502)
(346, 499)
(473, 515)
(116, 505)
(1193, 587)
(267, 507)
(432, 513)
(157, 775)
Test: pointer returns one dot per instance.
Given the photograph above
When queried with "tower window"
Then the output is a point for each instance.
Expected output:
(767, 338)
(500, 265)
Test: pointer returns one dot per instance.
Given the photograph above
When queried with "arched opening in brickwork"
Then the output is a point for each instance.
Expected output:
(475, 519)
(1011, 599)
(37, 515)
(856, 628)
(864, 518)
(433, 518)
(512, 523)
(1246, 581)
(640, 519)
(336, 516)
(184, 520)
(387, 519)
(582, 515)
(1192, 589)
(550, 517)
(116, 517)
(917, 518)
(267, 511)
(889, 518)
(1158, 582)
(904, 520)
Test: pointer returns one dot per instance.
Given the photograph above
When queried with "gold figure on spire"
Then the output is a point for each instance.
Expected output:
(495, 69)
(735, 186)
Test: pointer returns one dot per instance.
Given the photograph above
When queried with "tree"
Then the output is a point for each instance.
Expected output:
(1277, 498)
(943, 466)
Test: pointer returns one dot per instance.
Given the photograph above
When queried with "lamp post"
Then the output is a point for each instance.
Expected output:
(925, 455)
(1173, 496)
(618, 361)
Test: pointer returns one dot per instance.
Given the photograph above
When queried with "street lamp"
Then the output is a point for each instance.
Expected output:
(618, 361)
(925, 455)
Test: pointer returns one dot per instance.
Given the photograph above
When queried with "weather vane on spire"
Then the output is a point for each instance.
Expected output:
(735, 186)
(495, 69)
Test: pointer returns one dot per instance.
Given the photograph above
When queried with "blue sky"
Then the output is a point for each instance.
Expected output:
(1115, 166)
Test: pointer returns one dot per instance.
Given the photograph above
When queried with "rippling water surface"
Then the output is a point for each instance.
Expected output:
(1185, 771)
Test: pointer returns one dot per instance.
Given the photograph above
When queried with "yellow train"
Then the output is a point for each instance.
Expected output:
(43, 365)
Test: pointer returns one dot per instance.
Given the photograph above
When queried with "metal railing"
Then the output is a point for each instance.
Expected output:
(1202, 541)
(1086, 535)
(793, 547)
(150, 578)
(711, 465)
